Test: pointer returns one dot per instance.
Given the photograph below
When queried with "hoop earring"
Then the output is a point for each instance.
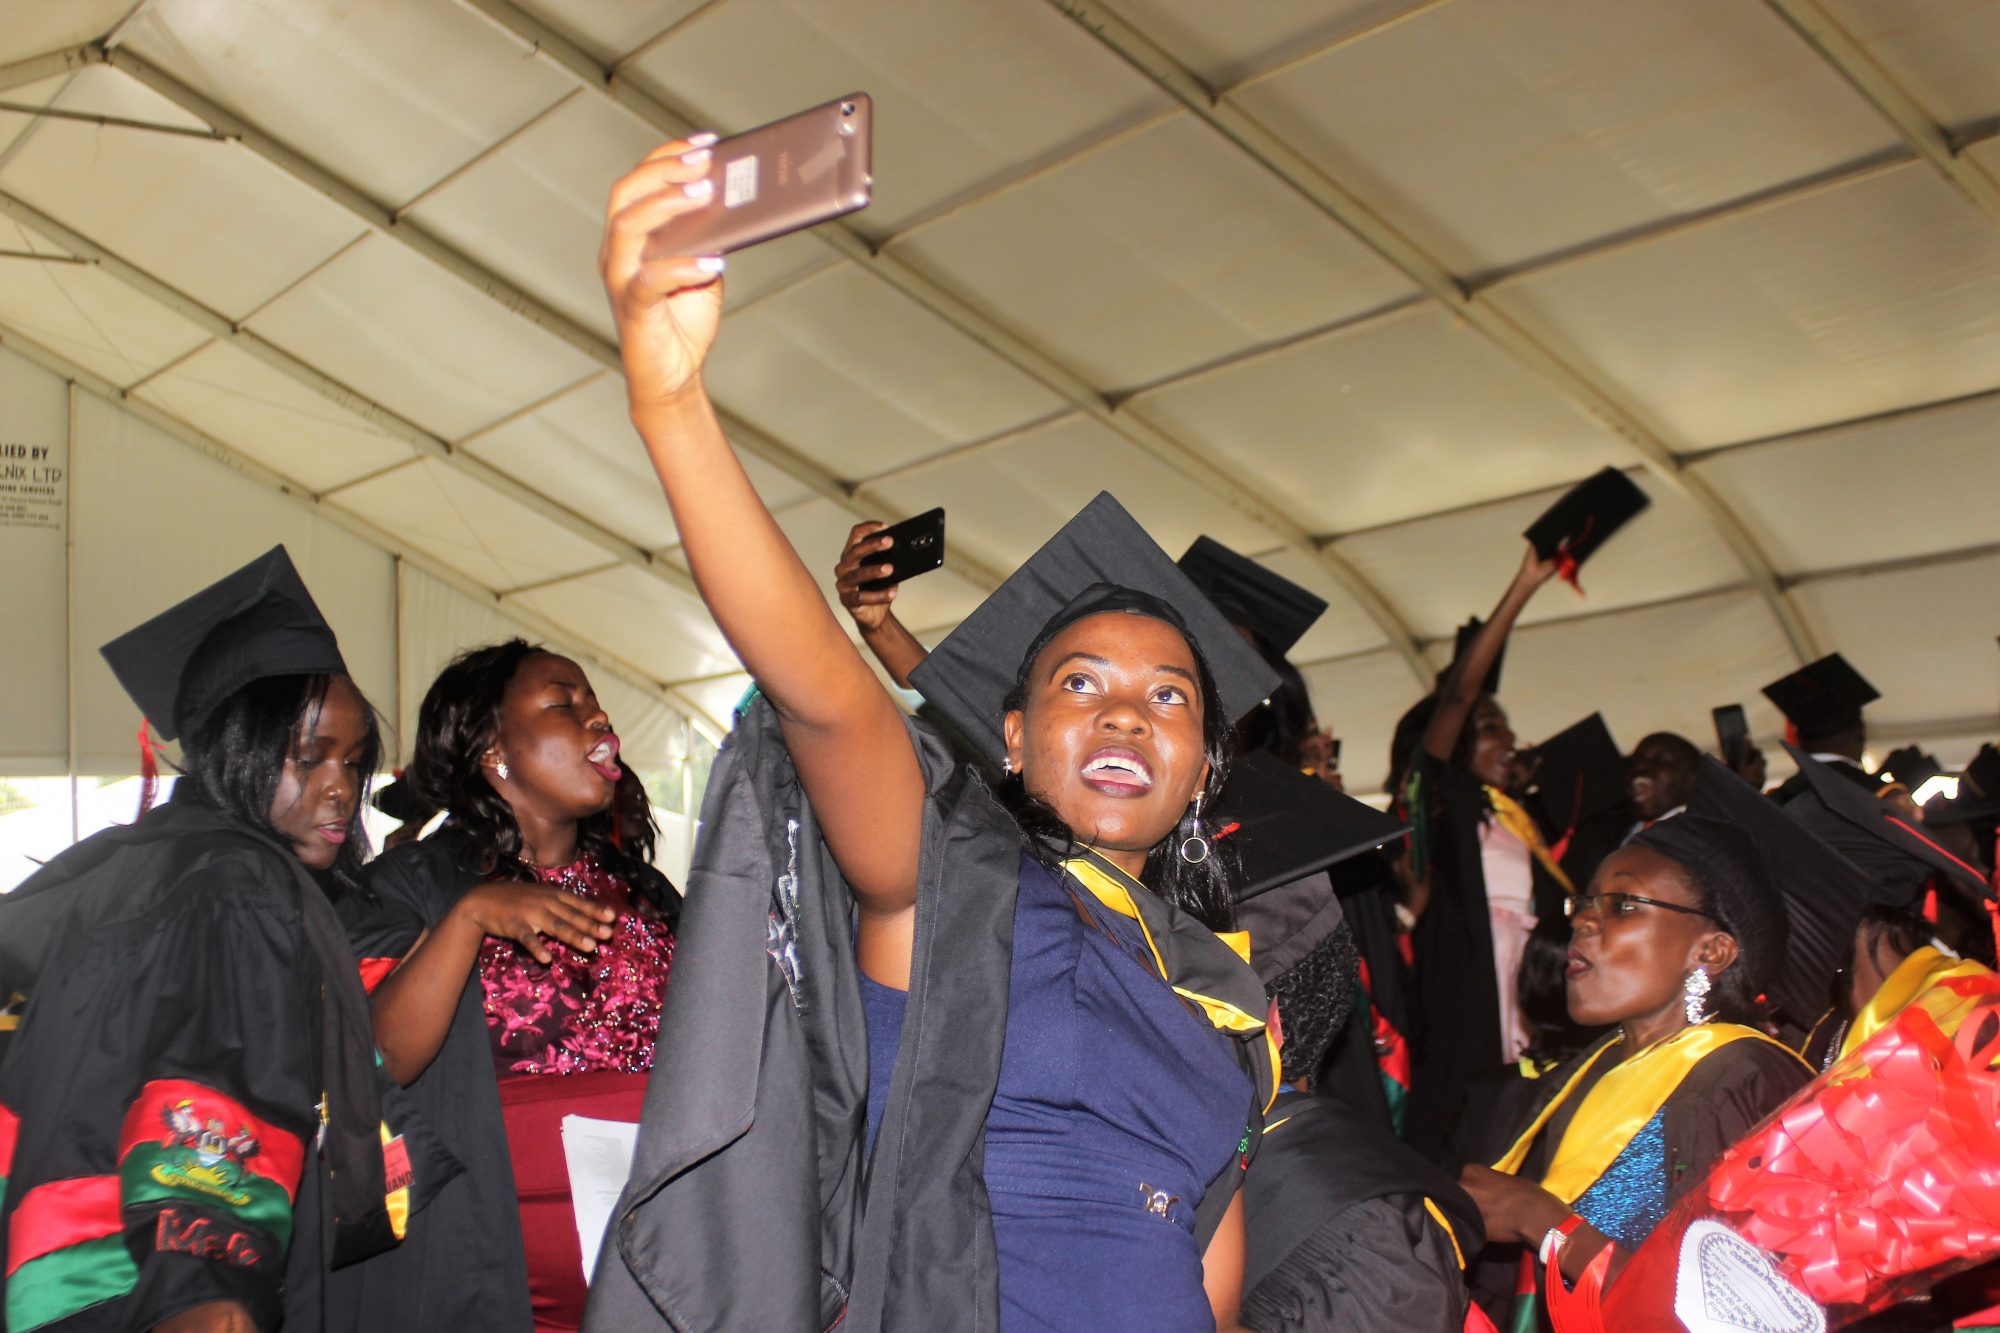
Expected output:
(1194, 847)
(1694, 994)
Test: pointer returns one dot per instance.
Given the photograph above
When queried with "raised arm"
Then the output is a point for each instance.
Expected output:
(894, 647)
(1461, 689)
(845, 734)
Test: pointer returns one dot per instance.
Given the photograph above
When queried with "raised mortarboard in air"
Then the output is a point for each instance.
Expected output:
(1823, 892)
(1579, 772)
(1823, 698)
(1285, 828)
(1572, 529)
(1096, 562)
(1910, 767)
(260, 621)
(1978, 798)
(1462, 644)
(1273, 608)
(1897, 858)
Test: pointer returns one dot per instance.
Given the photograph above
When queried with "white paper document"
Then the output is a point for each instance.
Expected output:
(599, 1155)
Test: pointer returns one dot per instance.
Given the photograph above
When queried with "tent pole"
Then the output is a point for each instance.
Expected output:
(69, 605)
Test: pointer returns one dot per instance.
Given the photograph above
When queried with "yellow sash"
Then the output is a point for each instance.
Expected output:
(1114, 893)
(1517, 821)
(1917, 980)
(1620, 1104)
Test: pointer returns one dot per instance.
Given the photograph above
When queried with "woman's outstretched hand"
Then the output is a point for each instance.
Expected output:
(533, 914)
(666, 309)
(856, 567)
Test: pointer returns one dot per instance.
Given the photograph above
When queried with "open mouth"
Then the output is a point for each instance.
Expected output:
(333, 833)
(1117, 773)
(603, 757)
(1577, 966)
(1642, 790)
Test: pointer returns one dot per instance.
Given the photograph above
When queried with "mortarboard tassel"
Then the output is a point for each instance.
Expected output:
(1567, 564)
(149, 770)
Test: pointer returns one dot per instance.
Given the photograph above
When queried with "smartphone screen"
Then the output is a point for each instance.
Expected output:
(918, 548)
(777, 179)
(1732, 732)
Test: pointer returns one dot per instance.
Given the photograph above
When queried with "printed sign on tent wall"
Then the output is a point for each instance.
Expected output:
(34, 484)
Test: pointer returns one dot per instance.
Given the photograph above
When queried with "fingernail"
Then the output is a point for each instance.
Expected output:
(702, 140)
(709, 263)
(700, 189)
(698, 158)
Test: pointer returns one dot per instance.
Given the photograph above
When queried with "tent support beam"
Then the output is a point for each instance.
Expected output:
(401, 231)
(1841, 52)
(278, 483)
(1018, 351)
(1341, 205)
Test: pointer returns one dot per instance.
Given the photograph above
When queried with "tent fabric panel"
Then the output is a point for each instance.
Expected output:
(965, 94)
(636, 618)
(535, 209)
(85, 315)
(155, 522)
(1836, 499)
(255, 408)
(495, 540)
(34, 663)
(205, 217)
(420, 342)
(1864, 299)
(390, 96)
(858, 379)
(1165, 251)
(1402, 417)
(1499, 133)
(611, 29)
(1940, 50)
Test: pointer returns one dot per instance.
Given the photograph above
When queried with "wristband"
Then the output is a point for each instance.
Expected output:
(1553, 1238)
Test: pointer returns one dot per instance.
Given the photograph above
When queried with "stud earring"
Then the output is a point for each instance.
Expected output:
(1694, 994)
(1194, 847)
(501, 769)
(1007, 767)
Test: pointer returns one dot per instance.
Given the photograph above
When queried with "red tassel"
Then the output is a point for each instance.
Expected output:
(1791, 732)
(149, 770)
(1930, 904)
(1567, 564)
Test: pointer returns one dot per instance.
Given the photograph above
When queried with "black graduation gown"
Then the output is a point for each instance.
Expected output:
(162, 1094)
(751, 1202)
(466, 1267)
(1339, 1239)
(1458, 1032)
(1353, 1068)
(1798, 784)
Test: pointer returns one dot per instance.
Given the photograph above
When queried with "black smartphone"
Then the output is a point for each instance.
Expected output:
(1732, 733)
(777, 179)
(918, 548)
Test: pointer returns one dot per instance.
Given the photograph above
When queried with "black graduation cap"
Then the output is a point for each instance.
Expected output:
(1895, 856)
(1823, 892)
(1272, 607)
(1580, 772)
(1099, 551)
(1823, 697)
(1978, 796)
(1462, 644)
(259, 621)
(1285, 828)
(1911, 767)
(1575, 526)
(399, 801)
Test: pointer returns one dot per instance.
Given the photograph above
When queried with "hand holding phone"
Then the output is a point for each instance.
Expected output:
(777, 179)
(914, 546)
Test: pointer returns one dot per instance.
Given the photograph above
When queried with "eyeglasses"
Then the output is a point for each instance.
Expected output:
(1621, 904)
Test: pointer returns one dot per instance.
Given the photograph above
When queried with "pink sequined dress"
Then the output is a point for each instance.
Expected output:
(572, 1038)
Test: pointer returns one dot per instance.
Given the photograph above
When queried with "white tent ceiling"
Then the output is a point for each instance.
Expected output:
(1352, 285)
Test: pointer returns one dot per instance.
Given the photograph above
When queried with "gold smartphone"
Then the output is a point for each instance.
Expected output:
(777, 179)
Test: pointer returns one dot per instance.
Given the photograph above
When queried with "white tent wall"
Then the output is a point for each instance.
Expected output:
(146, 520)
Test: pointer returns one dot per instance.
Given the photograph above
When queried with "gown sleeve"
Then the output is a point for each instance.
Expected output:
(213, 1144)
(1720, 1101)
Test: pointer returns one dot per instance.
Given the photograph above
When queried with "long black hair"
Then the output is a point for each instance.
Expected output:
(234, 759)
(1202, 890)
(456, 726)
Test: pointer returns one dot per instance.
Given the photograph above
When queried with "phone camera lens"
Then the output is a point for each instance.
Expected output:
(847, 108)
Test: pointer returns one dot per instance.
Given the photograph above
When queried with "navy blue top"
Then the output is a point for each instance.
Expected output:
(1117, 1103)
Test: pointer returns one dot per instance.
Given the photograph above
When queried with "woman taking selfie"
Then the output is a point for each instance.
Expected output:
(1018, 996)
(520, 954)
